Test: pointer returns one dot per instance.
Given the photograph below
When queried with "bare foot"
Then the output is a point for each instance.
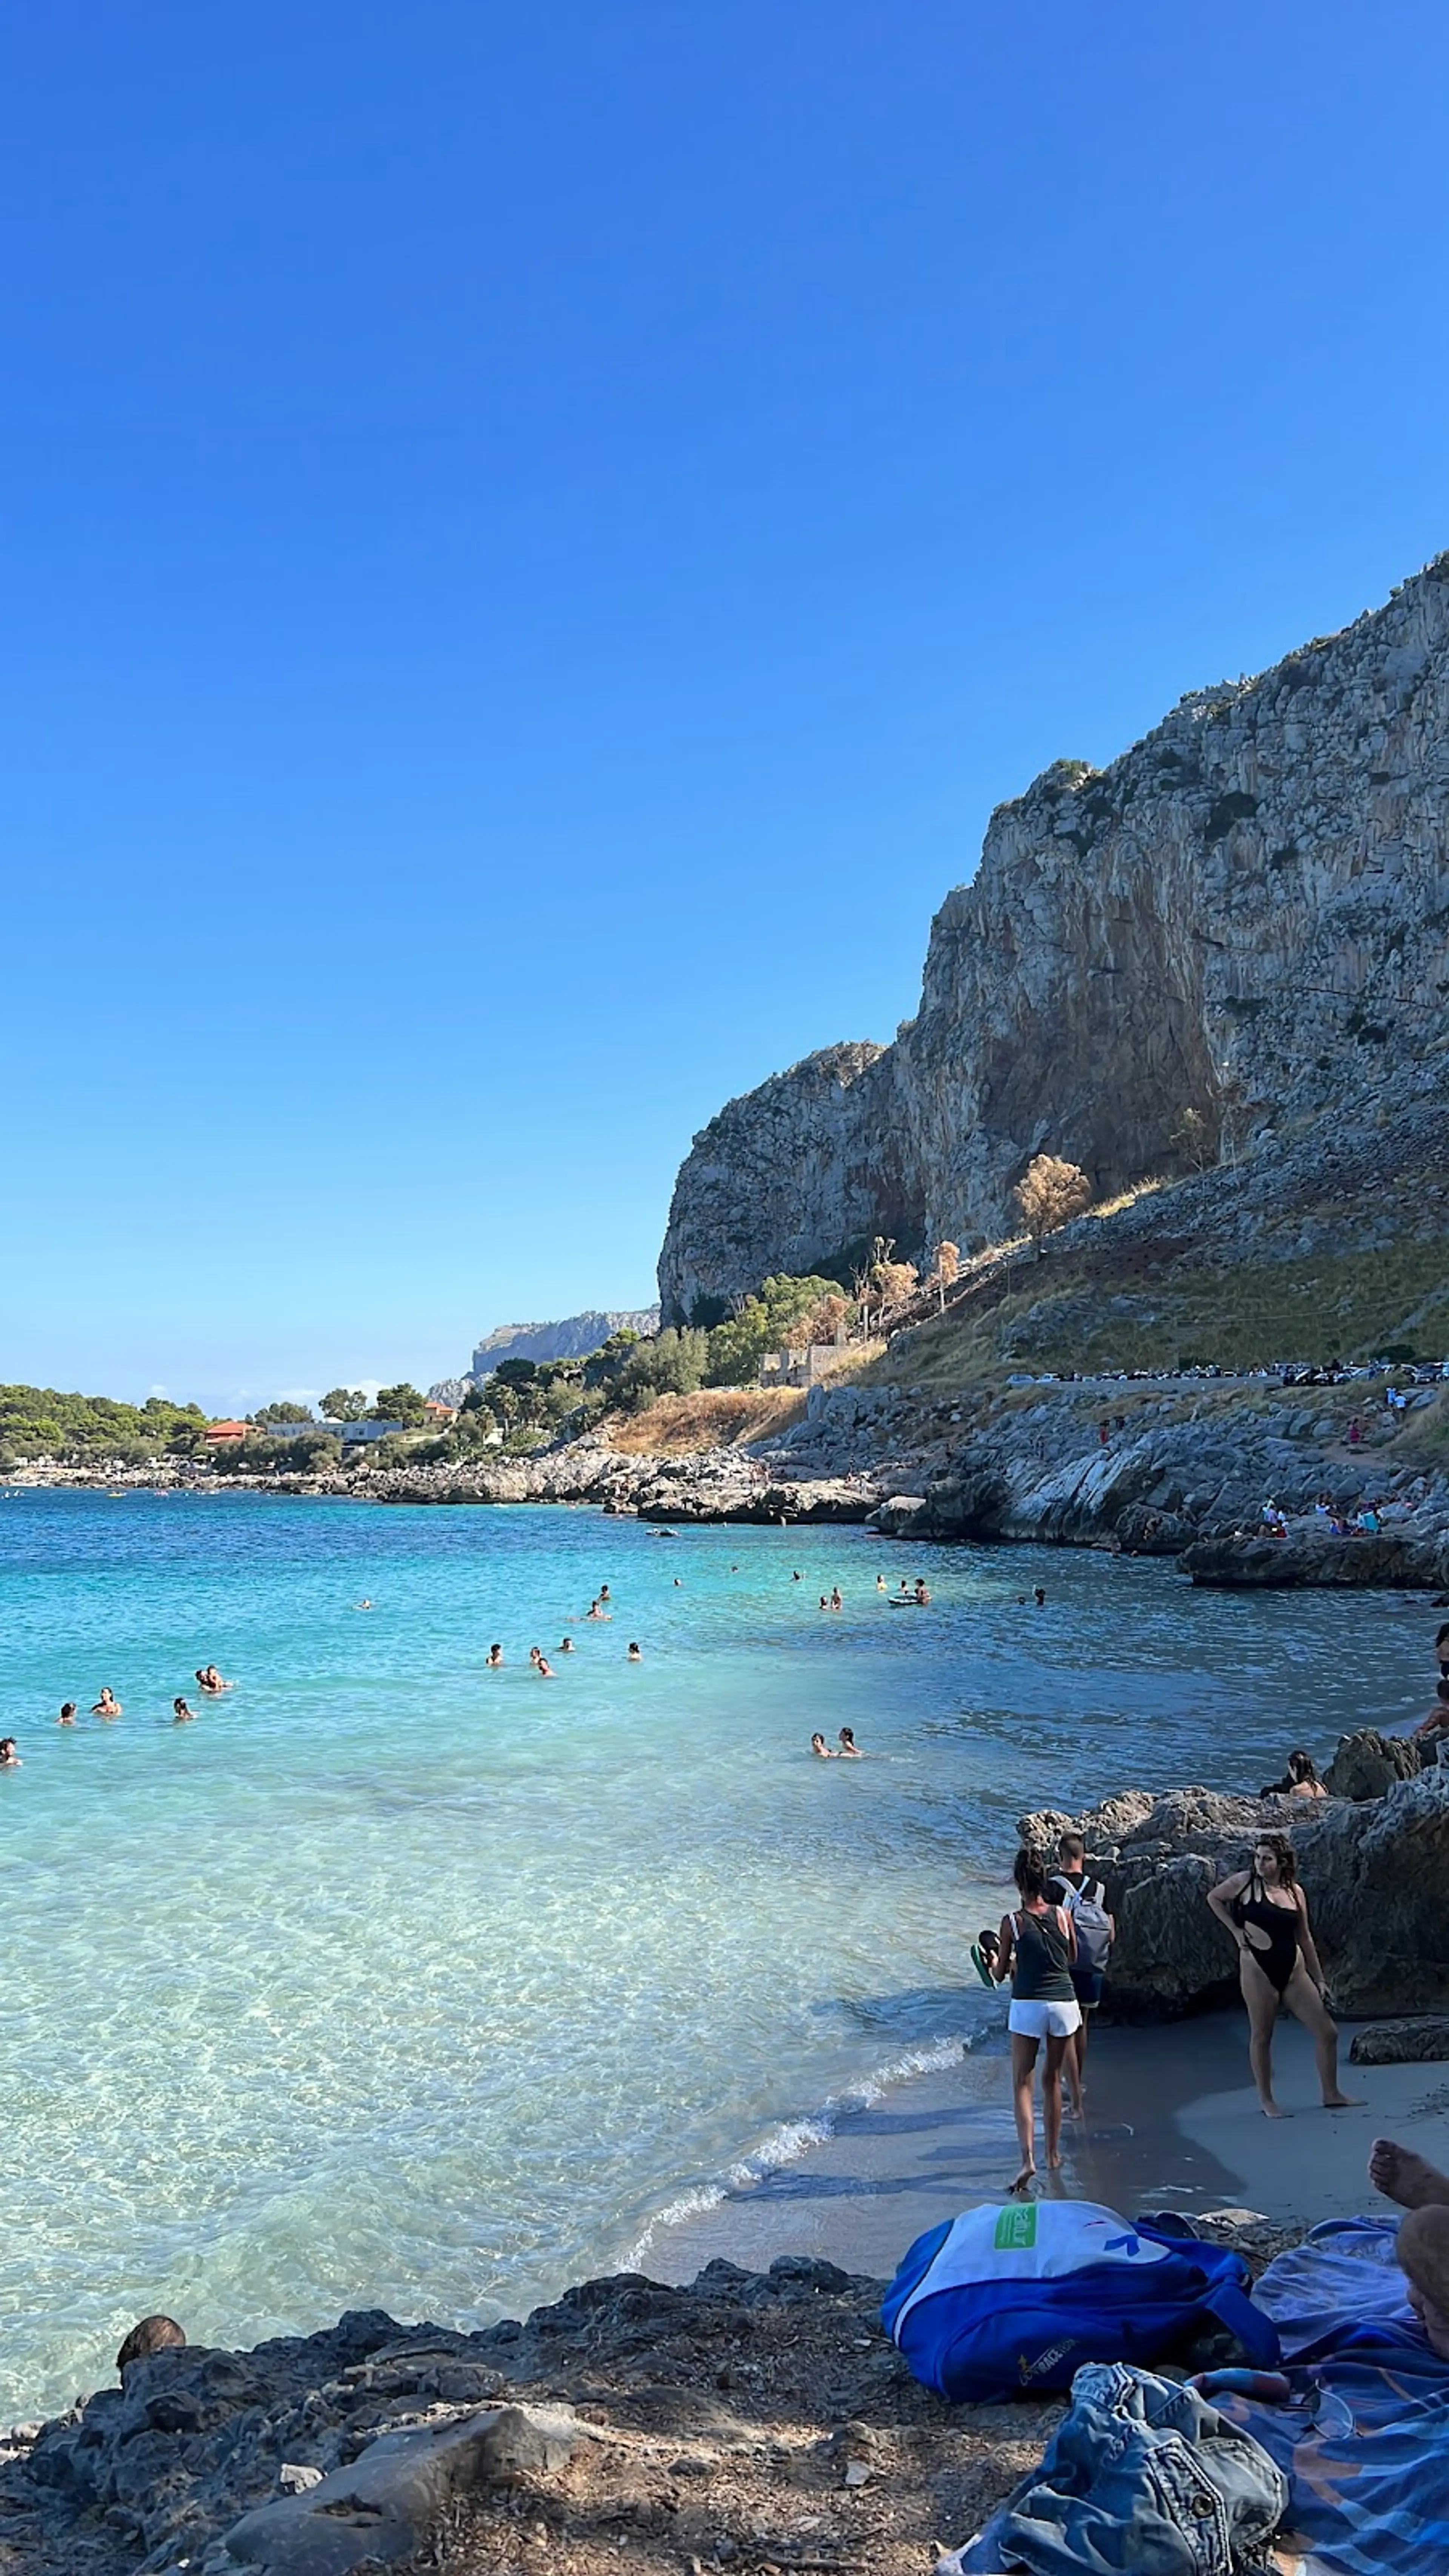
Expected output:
(1054, 2164)
(1271, 2111)
(1423, 2250)
(1343, 2101)
(1023, 2182)
(1408, 2178)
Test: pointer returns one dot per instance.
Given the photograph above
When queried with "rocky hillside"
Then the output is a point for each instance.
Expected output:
(1246, 915)
(571, 1338)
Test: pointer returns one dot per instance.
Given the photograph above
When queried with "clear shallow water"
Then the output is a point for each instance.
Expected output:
(394, 1981)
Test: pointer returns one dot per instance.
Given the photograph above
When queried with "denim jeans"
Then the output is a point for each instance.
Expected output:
(1141, 2476)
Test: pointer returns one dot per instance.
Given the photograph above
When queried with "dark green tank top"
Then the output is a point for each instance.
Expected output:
(1041, 1970)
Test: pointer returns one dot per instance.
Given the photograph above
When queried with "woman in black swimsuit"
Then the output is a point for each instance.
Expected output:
(1266, 1912)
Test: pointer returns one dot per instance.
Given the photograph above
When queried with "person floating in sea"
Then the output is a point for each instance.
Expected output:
(67, 1713)
(824, 1600)
(596, 1611)
(922, 1591)
(880, 1583)
(636, 1654)
(9, 1758)
(603, 1592)
(1037, 1950)
(565, 1645)
(836, 1602)
(182, 1715)
(796, 1577)
(364, 1605)
(825, 1751)
(1038, 1594)
(1266, 1912)
(542, 1666)
(493, 1660)
(848, 1745)
(208, 1679)
(107, 1705)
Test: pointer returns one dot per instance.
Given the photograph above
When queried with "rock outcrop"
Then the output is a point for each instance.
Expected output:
(1243, 915)
(1376, 1877)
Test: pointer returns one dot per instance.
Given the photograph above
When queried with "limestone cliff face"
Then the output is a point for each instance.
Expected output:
(781, 1179)
(1246, 914)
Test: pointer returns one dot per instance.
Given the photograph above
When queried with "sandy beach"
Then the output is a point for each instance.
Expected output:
(1173, 2122)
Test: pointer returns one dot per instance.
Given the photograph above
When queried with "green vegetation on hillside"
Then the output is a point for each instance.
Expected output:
(94, 1430)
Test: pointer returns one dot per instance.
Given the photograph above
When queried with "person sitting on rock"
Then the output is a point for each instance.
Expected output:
(153, 2334)
(1300, 1780)
(1437, 1721)
(1423, 2240)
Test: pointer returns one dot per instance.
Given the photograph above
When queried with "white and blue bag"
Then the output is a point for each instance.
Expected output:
(1002, 2302)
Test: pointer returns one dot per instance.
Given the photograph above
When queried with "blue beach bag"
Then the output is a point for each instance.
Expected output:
(1002, 2302)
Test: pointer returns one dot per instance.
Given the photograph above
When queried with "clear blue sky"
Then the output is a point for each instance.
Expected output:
(533, 540)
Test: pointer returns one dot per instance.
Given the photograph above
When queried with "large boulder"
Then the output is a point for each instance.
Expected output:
(1409, 1559)
(1368, 1764)
(1376, 1877)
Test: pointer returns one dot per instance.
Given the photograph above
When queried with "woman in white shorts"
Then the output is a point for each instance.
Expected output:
(1038, 1947)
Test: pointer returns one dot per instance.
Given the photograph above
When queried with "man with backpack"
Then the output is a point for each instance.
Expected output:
(1085, 1899)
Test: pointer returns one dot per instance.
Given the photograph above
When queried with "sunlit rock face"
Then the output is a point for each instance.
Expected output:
(1245, 915)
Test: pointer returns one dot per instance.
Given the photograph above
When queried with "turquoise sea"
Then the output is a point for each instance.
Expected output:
(397, 1981)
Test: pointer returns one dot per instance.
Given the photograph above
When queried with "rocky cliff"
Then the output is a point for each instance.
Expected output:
(1244, 915)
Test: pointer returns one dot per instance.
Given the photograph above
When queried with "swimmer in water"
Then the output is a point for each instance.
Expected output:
(67, 1713)
(9, 1758)
(636, 1654)
(603, 1592)
(880, 1583)
(848, 1746)
(1039, 1595)
(922, 1591)
(824, 1601)
(565, 1645)
(493, 1660)
(796, 1577)
(107, 1705)
(181, 1714)
(678, 1586)
(818, 1745)
(364, 1605)
(594, 1612)
(835, 1600)
(542, 1666)
(211, 1682)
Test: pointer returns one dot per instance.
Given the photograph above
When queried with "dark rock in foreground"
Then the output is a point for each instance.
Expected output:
(1316, 1559)
(1420, 2039)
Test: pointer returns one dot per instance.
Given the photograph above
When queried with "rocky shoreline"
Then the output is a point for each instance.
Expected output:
(755, 2422)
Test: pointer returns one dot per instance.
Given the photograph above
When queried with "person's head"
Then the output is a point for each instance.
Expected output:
(1029, 1872)
(1071, 1851)
(200, 1676)
(67, 1711)
(153, 2334)
(1273, 1859)
(7, 1748)
(847, 1735)
(1301, 1766)
(178, 1705)
(817, 1743)
(635, 1652)
(1039, 1594)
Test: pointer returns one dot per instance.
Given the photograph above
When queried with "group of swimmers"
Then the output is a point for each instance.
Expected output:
(844, 1750)
(108, 1708)
(598, 1609)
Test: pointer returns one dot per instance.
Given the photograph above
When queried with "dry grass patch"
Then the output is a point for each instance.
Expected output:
(719, 1417)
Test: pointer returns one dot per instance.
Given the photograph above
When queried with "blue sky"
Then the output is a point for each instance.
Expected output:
(532, 542)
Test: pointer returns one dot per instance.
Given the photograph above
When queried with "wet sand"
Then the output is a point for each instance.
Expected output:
(1173, 2122)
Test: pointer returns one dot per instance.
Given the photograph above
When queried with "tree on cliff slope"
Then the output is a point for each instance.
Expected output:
(1049, 1195)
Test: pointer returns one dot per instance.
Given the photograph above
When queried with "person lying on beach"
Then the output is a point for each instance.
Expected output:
(1266, 1912)
(107, 1705)
(9, 1758)
(1423, 2239)
(636, 1654)
(67, 1713)
(182, 1715)
(492, 1661)
(1037, 1949)
(825, 1751)
(848, 1745)
(1300, 1780)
